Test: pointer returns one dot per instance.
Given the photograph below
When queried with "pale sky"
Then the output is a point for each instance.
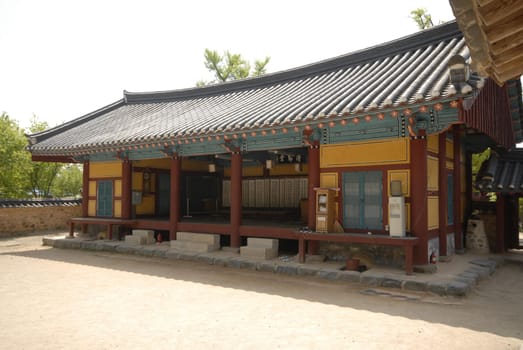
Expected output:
(61, 59)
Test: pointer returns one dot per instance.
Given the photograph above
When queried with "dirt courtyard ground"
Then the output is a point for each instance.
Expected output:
(72, 299)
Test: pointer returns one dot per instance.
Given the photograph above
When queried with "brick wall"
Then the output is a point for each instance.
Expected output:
(24, 220)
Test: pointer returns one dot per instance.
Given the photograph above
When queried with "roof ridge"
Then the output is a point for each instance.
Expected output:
(440, 32)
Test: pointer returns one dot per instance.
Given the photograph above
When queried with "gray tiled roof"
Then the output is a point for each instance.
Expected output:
(38, 203)
(503, 173)
(410, 70)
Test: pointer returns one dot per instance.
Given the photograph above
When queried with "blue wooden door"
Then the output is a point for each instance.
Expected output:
(362, 200)
(104, 198)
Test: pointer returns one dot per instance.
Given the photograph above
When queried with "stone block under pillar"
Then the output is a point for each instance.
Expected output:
(258, 252)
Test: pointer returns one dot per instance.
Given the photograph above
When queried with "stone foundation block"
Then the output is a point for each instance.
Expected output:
(192, 246)
(350, 276)
(210, 239)
(147, 235)
(329, 274)
(258, 252)
(418, 286)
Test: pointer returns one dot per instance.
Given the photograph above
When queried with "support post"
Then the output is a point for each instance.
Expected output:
(313, 181)
(418, 199)
(127, 173)
(174, 205)
(458, 210)
(443, 192)
(500, 223)
(236, 198)
(85, 197)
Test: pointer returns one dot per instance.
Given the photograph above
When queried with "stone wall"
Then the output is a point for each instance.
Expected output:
(30, 219)
(368, 254)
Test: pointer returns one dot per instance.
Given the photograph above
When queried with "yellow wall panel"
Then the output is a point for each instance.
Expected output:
(329, 180)
(137, 181)
(432, 173)
(252, 171)
(288, 170)
(450, 149)
(147, 206)
(91, 209)
(105, 169)
(433, 211)
(92, 188)
(195, 165)
(117, 208)
(433, 143)
(400, 175)
(394, 151)
(450, 164)
(117, 188)
(163, 163)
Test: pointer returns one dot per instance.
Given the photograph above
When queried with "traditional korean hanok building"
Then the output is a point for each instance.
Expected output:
(330, 146)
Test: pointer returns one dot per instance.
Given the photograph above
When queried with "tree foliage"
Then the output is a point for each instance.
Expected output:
(15, 161)
(68, 182)
(422, 18)
(231, 66)
(42, 174)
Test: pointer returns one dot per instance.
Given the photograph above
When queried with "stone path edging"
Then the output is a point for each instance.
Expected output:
(459, 287)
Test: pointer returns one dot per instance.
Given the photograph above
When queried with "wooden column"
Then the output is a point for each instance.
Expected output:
(418, 198)
(85, 190)
(500, 224)
(85, 197)
(443, 192)
(127, 179)
(313, 157)
(458, 210)
(174, 205)
(236, 198)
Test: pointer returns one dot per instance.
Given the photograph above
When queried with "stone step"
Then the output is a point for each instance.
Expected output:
(191, 246)
(258, 252)
(147, 234)
(208, 238)
(263, 243)
(132, 239)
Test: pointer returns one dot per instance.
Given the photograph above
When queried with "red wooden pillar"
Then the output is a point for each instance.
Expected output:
(85, 190)
(85, 197)
(458, 211)
(418, 198)
(127, 173)
(174, 205)
(236, 198)
(500, 223)
(313, 181)
(443, 193)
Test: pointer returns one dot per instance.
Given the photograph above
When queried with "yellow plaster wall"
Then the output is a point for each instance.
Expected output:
(433, 143)
(195, 165)
(163, 163)
(117, 208)
(399, 175)
(147, 206)
(432, 173)
(92, 188)
(450, 149)
(450, 164)
(393, 151)
(91, 209)
(117, 188)
(433, 212)
(329, 180)
(105, 169)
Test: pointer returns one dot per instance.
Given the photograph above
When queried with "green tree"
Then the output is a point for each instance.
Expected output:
(42, 174)
(15, 161)
(422, 18)
(68, 182)
(230, 66)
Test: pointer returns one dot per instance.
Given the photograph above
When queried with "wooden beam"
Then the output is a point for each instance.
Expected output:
(506, 44)
(505, 29)
(495, 11)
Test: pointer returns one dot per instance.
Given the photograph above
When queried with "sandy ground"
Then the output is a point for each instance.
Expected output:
(70, 299)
